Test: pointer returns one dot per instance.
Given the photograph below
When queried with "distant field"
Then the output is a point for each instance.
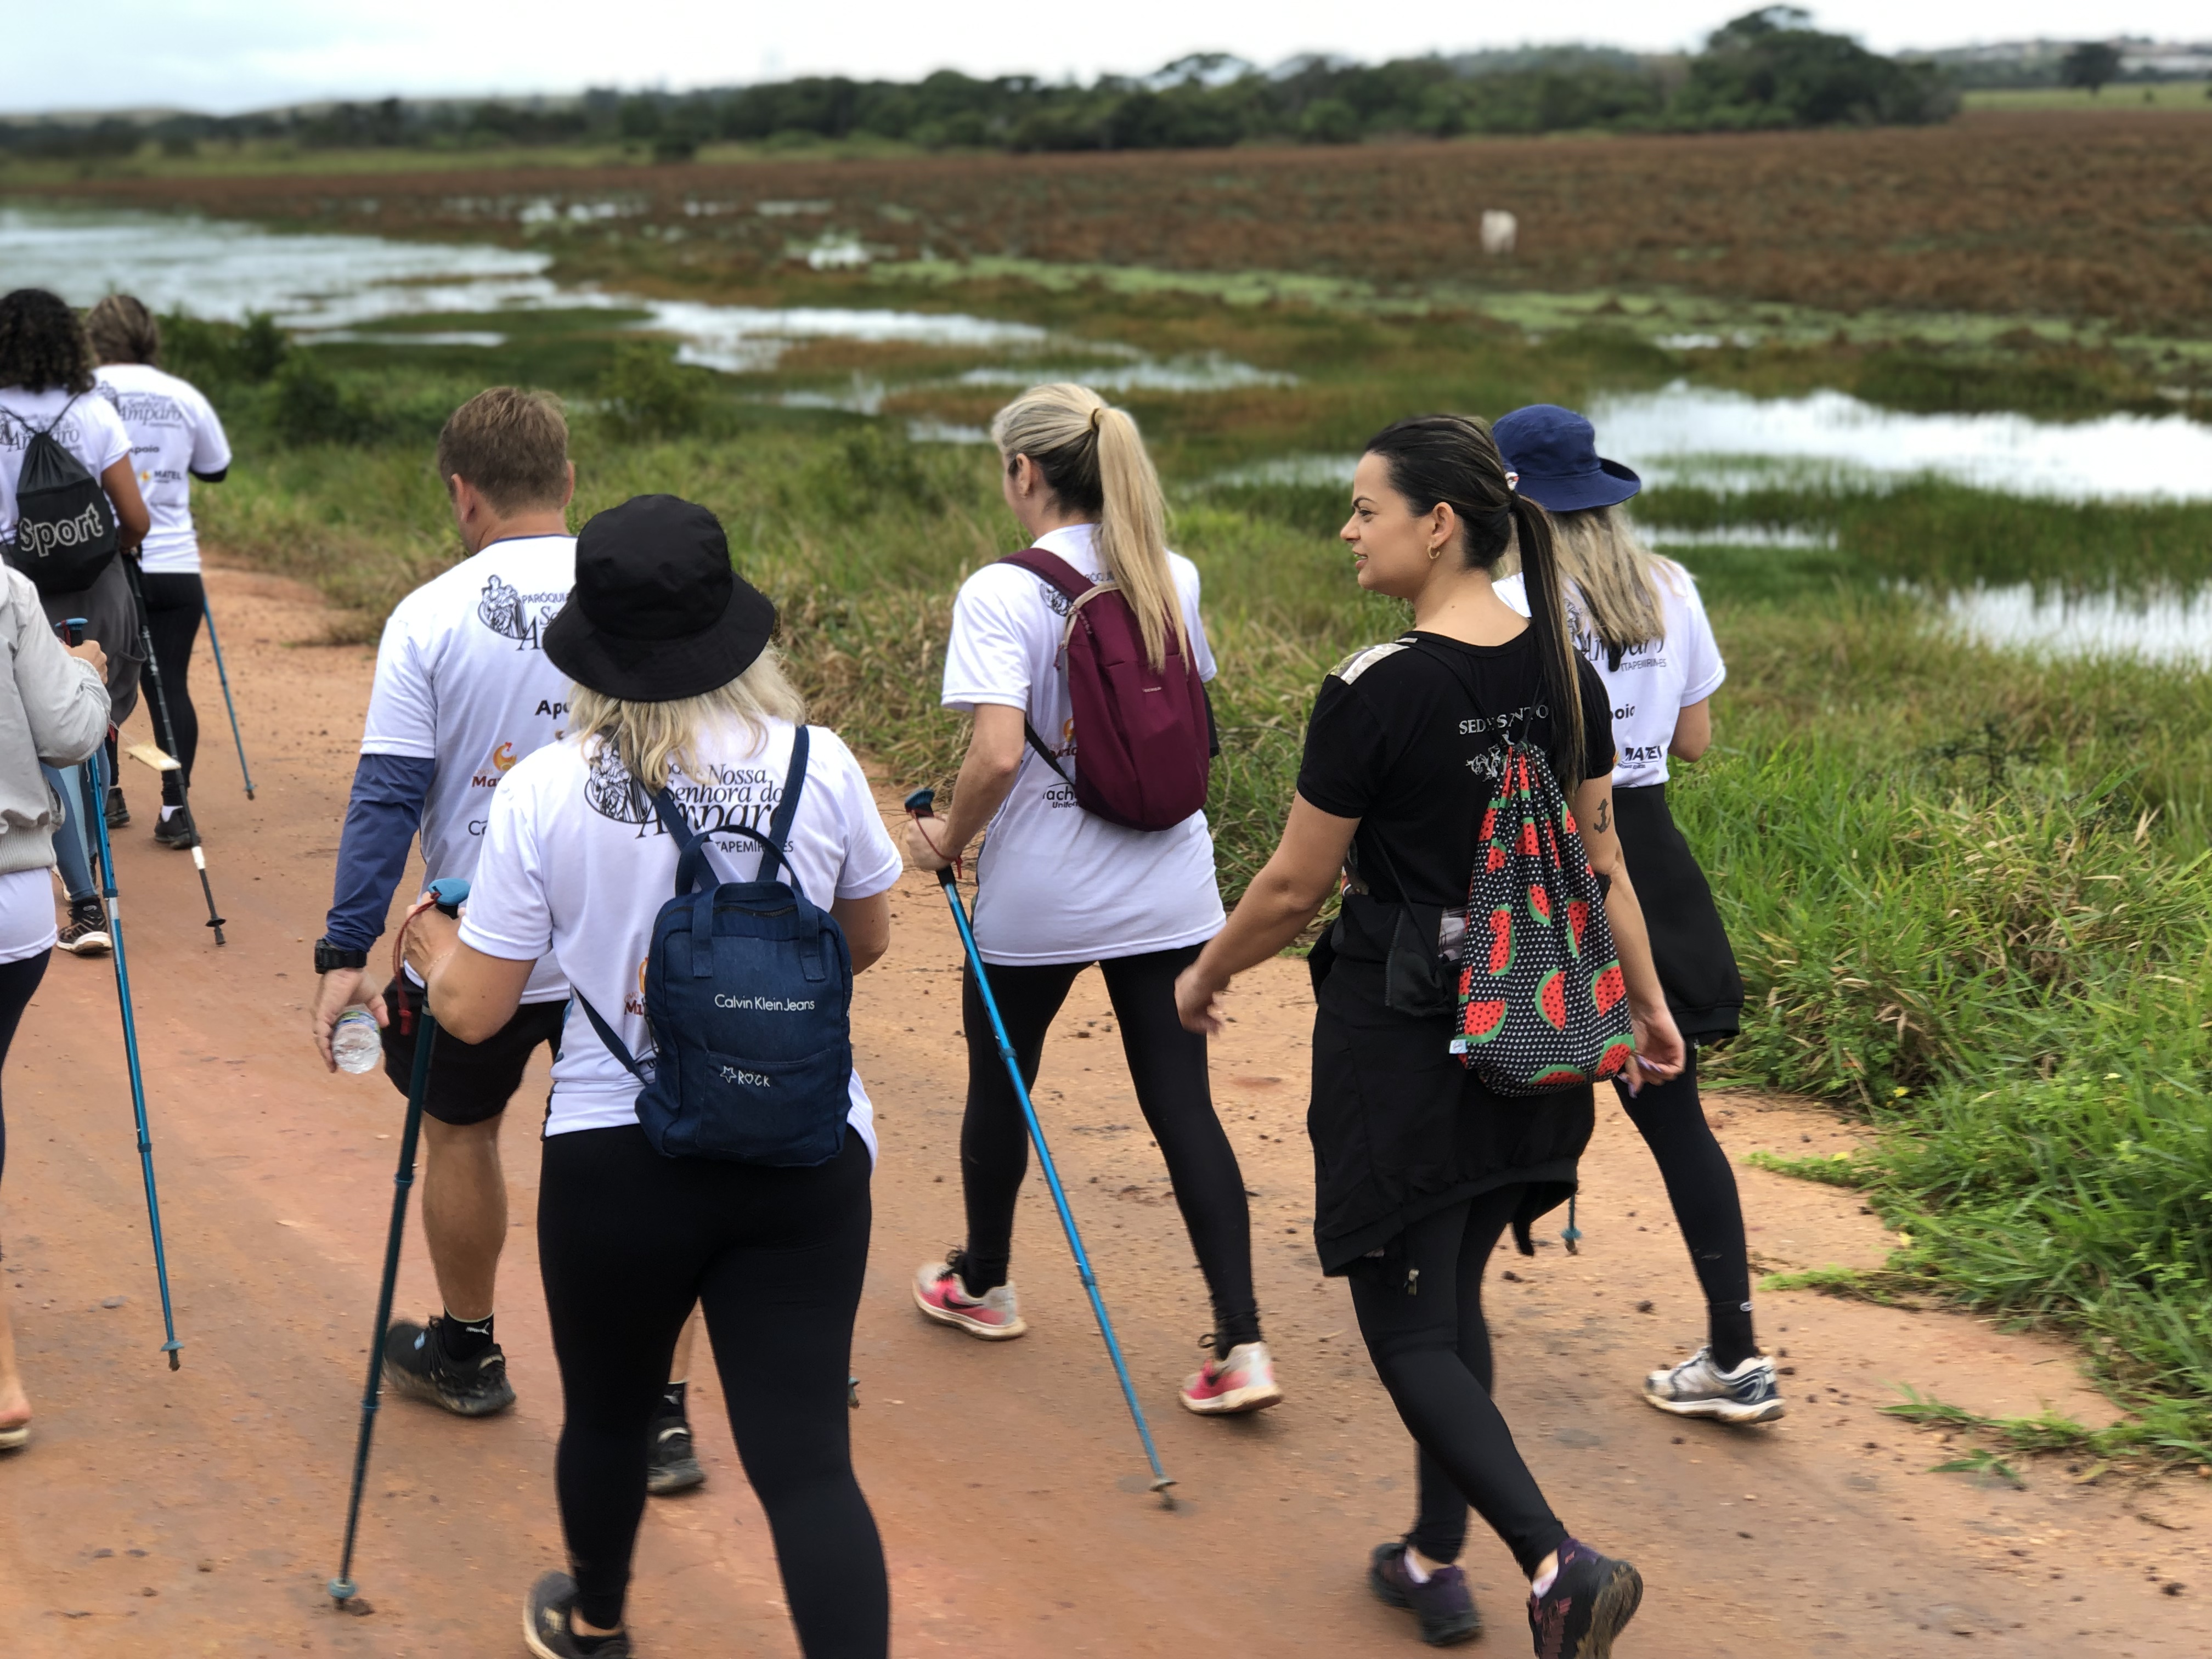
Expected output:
(2097, 216)
(2159, 95)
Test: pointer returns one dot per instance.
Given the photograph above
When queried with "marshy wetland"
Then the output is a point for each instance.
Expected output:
(1951, 510)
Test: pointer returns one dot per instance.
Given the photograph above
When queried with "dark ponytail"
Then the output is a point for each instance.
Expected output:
(1451, 460)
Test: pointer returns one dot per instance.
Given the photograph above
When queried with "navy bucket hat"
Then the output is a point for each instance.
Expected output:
(1555, 452)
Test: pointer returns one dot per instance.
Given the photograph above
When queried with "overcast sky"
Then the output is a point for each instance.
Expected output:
(224, 56)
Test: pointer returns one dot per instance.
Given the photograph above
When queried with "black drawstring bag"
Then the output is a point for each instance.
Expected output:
(65, 523)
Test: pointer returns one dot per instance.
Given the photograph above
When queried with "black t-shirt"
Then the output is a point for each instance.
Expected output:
(1413, 747)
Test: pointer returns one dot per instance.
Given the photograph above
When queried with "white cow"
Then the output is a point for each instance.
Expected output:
(1499, 231)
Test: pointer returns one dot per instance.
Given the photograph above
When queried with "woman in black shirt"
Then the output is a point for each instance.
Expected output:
(1419, 1168)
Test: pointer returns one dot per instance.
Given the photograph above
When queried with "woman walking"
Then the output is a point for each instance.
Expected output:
(46, 388)
(1059, 888)
(1638, 619)
(1420, 1168)
(54, 711)
(679, 702)
(175, 437)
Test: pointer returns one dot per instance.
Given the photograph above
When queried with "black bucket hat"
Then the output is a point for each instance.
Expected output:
(1555, 452)
(657, 613)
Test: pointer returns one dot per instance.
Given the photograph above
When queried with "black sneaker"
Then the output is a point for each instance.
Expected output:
(671, 1464)
(545, 1628)
(1444, 1605)
(177, 830)
(1590, 1602)
(415, 1364)
(118, 810)
(85, 933)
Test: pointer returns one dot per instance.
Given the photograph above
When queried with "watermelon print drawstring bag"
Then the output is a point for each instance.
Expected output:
(1542, 1005)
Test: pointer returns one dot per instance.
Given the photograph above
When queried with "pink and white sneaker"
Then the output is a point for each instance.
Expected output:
(1243, 1380)
(995, 1316)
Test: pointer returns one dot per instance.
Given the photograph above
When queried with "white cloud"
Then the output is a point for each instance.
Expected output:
(230, 55)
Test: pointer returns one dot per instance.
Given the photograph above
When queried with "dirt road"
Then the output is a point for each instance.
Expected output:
(198, 1512)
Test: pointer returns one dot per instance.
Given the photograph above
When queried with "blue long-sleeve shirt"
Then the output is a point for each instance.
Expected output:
(383, 815)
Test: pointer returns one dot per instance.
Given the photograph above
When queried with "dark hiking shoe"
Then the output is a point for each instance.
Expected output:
(177, 831)
(1444, 1605)
(85, 933)
(545, 1624)
(118, 810)
(1589, 1602)
(671, 1464)
(415, 1364)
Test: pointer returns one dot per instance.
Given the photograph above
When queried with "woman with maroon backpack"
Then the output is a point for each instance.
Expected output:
(1446, 1104)
(1082, 661)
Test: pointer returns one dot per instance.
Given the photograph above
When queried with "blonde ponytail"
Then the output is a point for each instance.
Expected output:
(1093, 459)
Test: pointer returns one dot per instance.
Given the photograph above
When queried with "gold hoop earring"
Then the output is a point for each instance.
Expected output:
(1435, 553)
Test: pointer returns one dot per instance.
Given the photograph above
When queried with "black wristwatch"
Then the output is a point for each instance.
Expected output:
(329, 956)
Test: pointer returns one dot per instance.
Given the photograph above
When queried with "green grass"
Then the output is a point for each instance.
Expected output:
(1970, 890)
(2122, 97)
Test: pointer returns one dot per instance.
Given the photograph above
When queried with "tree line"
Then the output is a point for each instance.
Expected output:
(1768, 69)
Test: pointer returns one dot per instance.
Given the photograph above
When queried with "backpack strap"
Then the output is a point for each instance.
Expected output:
(1051, 568)
(692, 867)
(615, 1046)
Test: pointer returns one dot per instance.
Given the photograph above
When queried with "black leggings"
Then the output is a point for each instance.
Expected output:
(174, 602)
(1701, 1186)
(1431, 1348)
(18, 982)
(1168, 1066)
(627, 1241)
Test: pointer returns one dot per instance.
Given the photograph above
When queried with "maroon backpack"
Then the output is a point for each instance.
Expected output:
(1144, 734)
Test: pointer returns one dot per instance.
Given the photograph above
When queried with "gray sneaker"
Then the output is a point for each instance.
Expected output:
(545, 1628)
(85, 933)
(672, 1463)
(1698, 1387)
(415, 1364)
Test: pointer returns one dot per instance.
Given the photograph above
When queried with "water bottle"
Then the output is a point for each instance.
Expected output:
(355, 1043)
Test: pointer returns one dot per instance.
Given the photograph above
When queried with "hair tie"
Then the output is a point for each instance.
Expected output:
(1512, 481)
(1094, 414)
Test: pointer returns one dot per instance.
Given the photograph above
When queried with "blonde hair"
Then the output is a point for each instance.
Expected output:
(122, 331)
(1093, 459)
(1615, 576)
(652, 740)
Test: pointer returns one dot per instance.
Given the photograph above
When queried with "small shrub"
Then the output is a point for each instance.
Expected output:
(646, 394)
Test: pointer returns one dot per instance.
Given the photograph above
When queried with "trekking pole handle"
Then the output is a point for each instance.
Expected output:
(919, 805)
(72, 630)
(449, 893)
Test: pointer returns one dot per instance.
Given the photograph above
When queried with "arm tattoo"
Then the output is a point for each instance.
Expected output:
(1605, 815)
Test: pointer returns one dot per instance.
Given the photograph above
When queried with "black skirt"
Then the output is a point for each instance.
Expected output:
(1689, 946)
(1401, 1128)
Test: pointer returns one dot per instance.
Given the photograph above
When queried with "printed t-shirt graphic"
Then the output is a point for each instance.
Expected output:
(462, 681)
(174, 433)
(91, 430)
(1654, 683)
(576, 866)
(1055, 882)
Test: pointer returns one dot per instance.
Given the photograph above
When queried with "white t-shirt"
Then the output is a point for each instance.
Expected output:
(27, 910)
(1654, 683)
(174, 433)
(1055, 882)
(462, 680)
(577, 864)
(92, 431)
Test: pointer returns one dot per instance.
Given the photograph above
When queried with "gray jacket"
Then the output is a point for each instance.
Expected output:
(52, 709)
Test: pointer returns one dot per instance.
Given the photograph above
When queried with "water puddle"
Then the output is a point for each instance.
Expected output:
(326, 286)
(1728, 440)
(2171, 626)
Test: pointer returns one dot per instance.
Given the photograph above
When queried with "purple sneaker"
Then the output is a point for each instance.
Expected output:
(1589, 1602)
(1444, 1605)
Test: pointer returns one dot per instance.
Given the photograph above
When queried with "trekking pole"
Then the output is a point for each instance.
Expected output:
(918, 804)
(450, 892)
(95, 794)
(223, 674)
(168, 736)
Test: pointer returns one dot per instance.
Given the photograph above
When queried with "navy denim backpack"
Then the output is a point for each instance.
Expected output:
(749, 991)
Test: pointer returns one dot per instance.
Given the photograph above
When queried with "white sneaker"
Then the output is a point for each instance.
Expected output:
(995, 1316)
(1698, 1387)
(1242, 1380)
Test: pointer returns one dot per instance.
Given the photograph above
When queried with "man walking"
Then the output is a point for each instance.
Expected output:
(462, 693)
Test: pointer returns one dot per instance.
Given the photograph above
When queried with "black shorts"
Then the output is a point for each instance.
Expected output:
(469, 1082)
